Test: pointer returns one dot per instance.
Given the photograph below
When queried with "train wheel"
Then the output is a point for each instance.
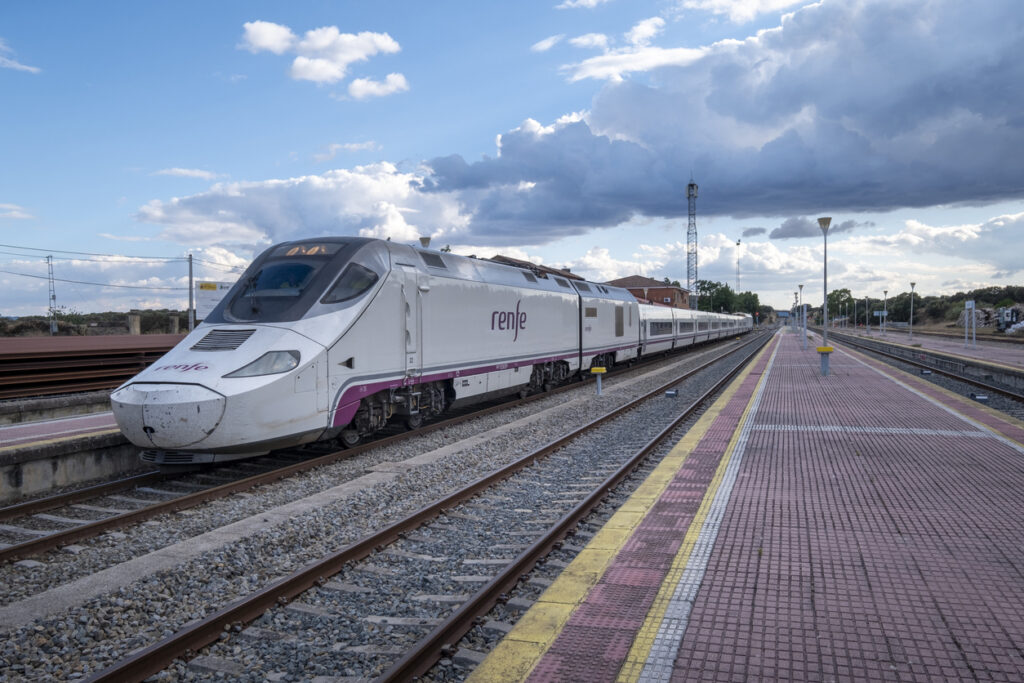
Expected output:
(414, 421)
(349, 438)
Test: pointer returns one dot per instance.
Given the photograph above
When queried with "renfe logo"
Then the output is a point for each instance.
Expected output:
(183, 367)
(509, 320)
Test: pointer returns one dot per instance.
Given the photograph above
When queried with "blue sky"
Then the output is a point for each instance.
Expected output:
(562, 132)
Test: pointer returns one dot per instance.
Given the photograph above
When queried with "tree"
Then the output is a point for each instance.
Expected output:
(746, 302)
(715, 296)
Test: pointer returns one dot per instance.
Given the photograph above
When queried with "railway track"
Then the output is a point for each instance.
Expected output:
(425, 580)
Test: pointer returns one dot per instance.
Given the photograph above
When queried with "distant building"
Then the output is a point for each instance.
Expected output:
(654, 291)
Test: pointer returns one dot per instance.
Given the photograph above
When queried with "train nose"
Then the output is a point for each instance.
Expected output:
(167, 415)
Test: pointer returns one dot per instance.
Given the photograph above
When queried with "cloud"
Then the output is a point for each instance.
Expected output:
(980, 242)
(264, 35)
(740, 11)
(644, 31)
(372, 201)
(14, 211)
(333, 149)
(324, 54)
(189, 173)
(585, 4)
(793, 121)
(547, 43)
(806, 227)
(598, 40)
(9, 63)
(362, 88)
(617, 64)
(753, 232)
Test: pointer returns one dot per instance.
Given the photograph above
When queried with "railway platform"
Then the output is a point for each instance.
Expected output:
(860, 526)
(38, 456)
(1002, 353)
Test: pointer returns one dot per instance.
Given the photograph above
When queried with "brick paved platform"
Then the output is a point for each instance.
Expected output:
(861, 526)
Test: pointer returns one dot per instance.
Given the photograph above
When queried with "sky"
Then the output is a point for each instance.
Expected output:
(133, 134)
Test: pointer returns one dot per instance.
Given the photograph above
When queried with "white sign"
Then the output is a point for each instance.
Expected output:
(969, 304)
(881, 314)
(208, 295)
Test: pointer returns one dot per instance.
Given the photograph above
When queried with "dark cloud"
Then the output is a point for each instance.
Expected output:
(846, 107)
(752, 232)
(808, 227)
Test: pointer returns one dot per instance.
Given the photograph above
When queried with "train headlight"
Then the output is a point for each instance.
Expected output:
(271, 363)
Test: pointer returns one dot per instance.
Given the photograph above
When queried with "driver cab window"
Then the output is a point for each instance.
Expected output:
(354, 280)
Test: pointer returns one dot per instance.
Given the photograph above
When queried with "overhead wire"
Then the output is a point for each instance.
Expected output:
(96, 284)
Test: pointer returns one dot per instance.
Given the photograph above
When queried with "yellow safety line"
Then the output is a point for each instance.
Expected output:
(522, 648)
(34, 444)
(641, 649)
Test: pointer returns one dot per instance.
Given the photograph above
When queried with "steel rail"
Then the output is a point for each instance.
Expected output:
(995, 389)
(60, 500)
(444, 637)
(190, 500)
(192, 637)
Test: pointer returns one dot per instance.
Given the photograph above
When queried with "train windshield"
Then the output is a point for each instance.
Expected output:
(284, 282)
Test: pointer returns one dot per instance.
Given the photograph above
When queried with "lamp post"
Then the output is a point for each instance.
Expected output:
(803, 317)
(867, 320)
(737, 266)
(855, 316)
(885, 308)
(912, 310)
(825, 349)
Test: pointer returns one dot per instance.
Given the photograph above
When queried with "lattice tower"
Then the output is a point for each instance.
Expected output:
(691, 244)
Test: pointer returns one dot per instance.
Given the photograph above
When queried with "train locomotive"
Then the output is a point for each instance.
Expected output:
(332, 339)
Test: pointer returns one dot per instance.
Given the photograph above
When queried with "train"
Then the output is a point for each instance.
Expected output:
(332, 339)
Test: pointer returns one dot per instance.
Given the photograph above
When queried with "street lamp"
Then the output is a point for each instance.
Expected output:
(823, 223)
(803, 317)
(885, 309)
(737, 266)
(912, 310)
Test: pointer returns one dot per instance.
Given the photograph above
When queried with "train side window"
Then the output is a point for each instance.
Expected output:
(590, 312)
(562, 283)
(620, 323)
(583, 286)
(686, 327)
(354, 280)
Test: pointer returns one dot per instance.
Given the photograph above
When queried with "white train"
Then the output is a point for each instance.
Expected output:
(333, 338)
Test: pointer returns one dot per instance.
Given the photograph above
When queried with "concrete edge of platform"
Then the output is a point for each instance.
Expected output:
(16, 411)
(30, 470)
(521, 649)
